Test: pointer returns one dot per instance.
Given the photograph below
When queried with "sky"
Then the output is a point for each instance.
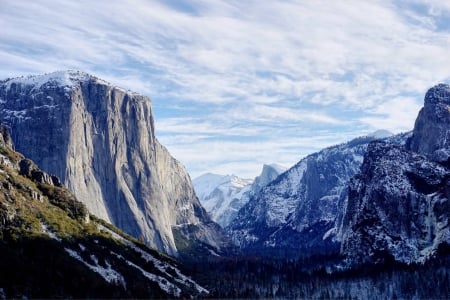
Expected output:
(237, 84)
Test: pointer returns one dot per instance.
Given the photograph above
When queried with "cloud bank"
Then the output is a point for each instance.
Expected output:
(236, 84)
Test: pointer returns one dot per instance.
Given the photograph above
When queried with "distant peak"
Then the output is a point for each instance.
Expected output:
(380, 134)
(209, 175)
(276, 167)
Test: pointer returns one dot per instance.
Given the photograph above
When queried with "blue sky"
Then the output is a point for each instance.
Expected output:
(236, 84)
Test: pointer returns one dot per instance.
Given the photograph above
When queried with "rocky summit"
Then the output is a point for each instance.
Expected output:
(431, 135)
(99, 139)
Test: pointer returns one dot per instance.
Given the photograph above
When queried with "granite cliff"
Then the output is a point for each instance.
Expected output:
(398, 206)
(99, 139)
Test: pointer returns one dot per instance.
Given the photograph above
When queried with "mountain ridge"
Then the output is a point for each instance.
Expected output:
(399, 204)
(300, 210)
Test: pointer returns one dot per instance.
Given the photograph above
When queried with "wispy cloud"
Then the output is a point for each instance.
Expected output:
(274, 72)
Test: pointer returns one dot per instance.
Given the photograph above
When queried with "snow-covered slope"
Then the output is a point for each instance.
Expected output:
(302, 209)
(223, 195)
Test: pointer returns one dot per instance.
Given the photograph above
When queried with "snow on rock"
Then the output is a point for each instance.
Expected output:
(108, 273)
(163, 283)
(58, 78)
(302, 209)
(51, 234)
(399, 205)
(160, 265)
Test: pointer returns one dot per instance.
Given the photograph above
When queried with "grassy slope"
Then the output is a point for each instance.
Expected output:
(34, 263)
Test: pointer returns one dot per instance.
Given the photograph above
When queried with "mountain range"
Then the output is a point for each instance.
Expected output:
(92, 189)
(372, 197)
(302, 208)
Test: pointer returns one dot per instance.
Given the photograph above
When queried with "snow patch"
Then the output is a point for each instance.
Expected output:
(329, 233)
(160, 265)
(108, 273)
(163, 283)
(51, 234)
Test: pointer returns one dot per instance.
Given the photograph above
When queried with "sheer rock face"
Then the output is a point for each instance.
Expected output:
(99, 139)
(398, 206)
(432, 128)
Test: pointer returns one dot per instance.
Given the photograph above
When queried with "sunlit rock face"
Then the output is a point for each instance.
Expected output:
(99, 139)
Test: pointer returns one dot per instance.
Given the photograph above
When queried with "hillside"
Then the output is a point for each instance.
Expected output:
(51, 247)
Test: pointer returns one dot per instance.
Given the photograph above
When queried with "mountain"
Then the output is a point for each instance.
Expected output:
(398, 206)
(268, 173)
(431, 135)
(374, 199)
(223, 195)
(99, 139)
(50, 247)
(301, 211)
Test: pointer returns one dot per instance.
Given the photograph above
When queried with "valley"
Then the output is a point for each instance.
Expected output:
(89, 195)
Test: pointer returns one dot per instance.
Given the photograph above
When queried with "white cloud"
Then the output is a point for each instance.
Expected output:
(396, 115)
(243, 68)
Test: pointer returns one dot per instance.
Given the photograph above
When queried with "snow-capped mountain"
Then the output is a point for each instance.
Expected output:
(100, 140)
(223, 195)
(372, 199)
(303, 208)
